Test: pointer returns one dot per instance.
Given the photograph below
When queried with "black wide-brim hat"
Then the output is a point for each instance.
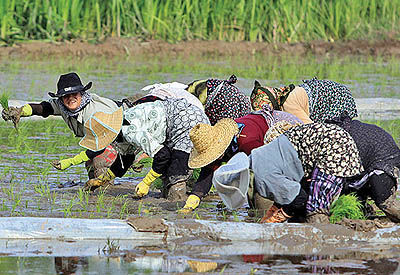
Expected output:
(69, 84)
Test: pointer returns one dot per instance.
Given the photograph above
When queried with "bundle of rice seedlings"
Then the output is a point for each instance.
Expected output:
(346, 206)
(4, 97)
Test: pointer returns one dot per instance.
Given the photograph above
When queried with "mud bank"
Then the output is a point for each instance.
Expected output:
(158, 230)
(123, 47)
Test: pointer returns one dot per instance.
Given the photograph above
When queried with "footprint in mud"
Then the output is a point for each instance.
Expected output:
(69, 184)
(172, 205)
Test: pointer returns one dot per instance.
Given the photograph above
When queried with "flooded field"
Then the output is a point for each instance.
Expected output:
(117, 78)
(29, 186)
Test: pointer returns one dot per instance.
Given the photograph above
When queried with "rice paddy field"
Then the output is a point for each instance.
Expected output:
(29, 186)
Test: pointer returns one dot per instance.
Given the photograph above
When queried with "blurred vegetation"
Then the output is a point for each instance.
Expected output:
(176, 20)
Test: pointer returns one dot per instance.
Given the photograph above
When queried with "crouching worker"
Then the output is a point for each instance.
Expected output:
(218, 143)
(380, 157)
(75, 105)
(161, 129)
(324, 153)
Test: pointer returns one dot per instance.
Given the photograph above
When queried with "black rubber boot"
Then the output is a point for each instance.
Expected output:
(391, 207)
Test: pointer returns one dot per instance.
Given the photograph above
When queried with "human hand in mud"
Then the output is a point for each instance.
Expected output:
(13, 114)
(66, 163)
(191, 203)
(101, 180)
(143, 188)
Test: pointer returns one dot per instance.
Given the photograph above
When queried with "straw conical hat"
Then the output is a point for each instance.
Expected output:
(101, 129)
(210, 142)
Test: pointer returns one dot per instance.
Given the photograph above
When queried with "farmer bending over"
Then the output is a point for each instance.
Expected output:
(323, 153)
(75, 105)
(380, 157)
(161, 129)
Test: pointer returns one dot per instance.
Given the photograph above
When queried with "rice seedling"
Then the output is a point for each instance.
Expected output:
(111, 208)
(4, 207)
(111, 246)
(124, 212)
(235, 216)
(100, 200)
(16, 202)
(83, 198)
(224, 216)
(140, 208)
(67, 210)
(253, 271)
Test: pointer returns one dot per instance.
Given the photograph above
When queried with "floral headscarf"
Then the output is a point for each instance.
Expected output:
(225, 100)
(274, 97)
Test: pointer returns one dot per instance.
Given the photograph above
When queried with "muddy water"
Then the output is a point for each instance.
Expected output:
(30, 187)
(194, 256)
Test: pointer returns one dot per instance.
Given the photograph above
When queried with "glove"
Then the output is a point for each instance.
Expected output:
(14, 113)
(101, 180)
(65, 163)
(191, 203)
(143, 187)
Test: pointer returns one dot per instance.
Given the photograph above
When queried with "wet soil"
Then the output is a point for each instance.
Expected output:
(114, 47)
(118, 201)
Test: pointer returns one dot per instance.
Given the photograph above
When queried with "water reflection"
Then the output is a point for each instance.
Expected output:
(69, 265)
(325, 264)
(129, 262)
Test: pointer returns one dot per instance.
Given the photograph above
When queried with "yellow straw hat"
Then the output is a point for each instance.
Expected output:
(210, 142)
(101, 129)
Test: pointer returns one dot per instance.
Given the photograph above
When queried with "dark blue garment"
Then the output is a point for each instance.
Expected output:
(377, 148)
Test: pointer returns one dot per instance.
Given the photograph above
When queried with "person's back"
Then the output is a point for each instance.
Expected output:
(377, 148)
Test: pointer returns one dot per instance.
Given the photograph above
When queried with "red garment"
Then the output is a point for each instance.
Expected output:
(252, 134)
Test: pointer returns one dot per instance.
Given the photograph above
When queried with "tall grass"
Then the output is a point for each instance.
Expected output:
(175, 20)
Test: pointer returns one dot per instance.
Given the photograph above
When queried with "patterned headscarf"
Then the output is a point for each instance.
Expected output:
(328, 99)
(225, 100)
(274, 97)
(86, 98)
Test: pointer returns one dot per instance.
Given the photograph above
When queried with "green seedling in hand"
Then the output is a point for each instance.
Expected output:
(8, 113)
(4, 97)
